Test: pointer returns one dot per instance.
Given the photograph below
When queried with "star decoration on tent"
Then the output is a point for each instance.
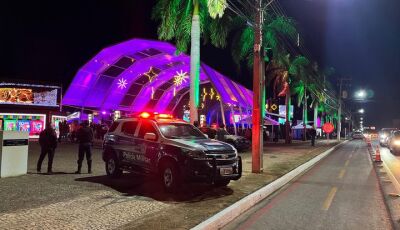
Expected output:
(152, 73)
(122, 83)
(180, 78)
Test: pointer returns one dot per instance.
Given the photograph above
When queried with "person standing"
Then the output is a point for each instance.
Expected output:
(221, 132)
(85, 138)
(48, 144)
(313, 134)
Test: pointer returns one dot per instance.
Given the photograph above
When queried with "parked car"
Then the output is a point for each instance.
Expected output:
(357, 135)
(394, 142)
(172, 149)
(384, 135)
(239, 142)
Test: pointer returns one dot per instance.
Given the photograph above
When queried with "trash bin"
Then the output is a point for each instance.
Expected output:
(13, 153)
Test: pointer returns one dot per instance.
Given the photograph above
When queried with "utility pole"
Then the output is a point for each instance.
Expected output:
(259, 91)
(339, 120)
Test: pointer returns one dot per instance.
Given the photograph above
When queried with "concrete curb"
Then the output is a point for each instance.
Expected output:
(225, 216)
(385, 189)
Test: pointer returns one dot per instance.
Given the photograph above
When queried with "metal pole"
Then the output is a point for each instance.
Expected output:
(241, 117)
(222, 113)
(288, 130)
(257, 135)
(305, 114)
(339, 120)
(233, 119)
(61, 98)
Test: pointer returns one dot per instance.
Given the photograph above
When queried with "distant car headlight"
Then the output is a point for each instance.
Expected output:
(396, 142)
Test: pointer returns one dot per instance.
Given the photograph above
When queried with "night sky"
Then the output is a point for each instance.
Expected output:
(51, 40)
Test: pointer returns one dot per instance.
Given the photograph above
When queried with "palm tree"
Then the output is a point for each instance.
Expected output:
(186, 21)
(301, 81)
(274, 28)
(216, 8)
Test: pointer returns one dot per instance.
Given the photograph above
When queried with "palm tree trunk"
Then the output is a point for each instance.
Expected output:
(315, 115)
(195, 63)
(305, 115)
(288, 130)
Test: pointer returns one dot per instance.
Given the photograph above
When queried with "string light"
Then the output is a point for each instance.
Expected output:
(122, 83)
(180, 78)
(204, 94)
(212, 93)
(151, 74)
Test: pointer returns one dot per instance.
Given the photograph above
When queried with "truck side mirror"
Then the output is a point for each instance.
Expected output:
(150, 137)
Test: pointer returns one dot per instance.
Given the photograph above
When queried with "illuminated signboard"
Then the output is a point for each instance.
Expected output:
(31, 95)
(282, 113)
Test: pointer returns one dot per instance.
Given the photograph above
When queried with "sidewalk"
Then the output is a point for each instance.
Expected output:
(93, 201)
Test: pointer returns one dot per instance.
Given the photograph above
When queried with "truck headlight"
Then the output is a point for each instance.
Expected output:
(195, 154)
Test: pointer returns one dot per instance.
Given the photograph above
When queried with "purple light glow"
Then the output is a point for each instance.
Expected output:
(92, 88)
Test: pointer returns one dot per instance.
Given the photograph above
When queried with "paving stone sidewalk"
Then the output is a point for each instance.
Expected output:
(93, 201)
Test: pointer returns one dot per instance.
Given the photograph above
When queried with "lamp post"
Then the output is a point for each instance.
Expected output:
(361, 94)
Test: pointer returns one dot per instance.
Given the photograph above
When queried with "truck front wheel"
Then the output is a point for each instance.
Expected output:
(112, 167)
(221, 183)
(170, 176)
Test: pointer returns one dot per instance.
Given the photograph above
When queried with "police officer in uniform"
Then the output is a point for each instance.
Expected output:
(85, 138)
(221, 133)
(48, 144)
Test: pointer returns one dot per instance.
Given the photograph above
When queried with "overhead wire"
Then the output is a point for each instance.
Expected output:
(289, 41)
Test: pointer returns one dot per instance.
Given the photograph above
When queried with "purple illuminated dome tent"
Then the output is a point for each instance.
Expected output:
(144, 75)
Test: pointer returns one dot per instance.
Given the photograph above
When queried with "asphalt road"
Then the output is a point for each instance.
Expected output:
(340, 192)
(391, 160)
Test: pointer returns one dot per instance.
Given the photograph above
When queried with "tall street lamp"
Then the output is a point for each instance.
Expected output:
(361, 94)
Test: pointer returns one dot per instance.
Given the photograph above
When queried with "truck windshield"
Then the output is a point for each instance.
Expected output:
(180, 131)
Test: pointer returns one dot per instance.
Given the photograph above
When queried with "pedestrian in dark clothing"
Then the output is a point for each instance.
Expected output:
(248, 134)
(85, 138)
(221, 132)
(48, 144)
(313, 134)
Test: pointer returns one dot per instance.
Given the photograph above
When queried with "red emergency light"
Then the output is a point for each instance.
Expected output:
(144, 115)
(164, 116)
(155, 115)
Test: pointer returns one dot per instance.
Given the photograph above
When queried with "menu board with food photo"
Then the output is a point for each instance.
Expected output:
(33, 96)
(13, 95)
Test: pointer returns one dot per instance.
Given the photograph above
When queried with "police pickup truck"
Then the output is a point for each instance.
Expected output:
(169, 148)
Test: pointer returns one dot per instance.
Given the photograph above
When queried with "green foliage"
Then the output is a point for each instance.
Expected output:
(216, 8)
(175, 23)
(298, 89)
(274, 28)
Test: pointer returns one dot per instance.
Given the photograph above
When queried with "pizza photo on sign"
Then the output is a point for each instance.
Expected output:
(14, 95)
